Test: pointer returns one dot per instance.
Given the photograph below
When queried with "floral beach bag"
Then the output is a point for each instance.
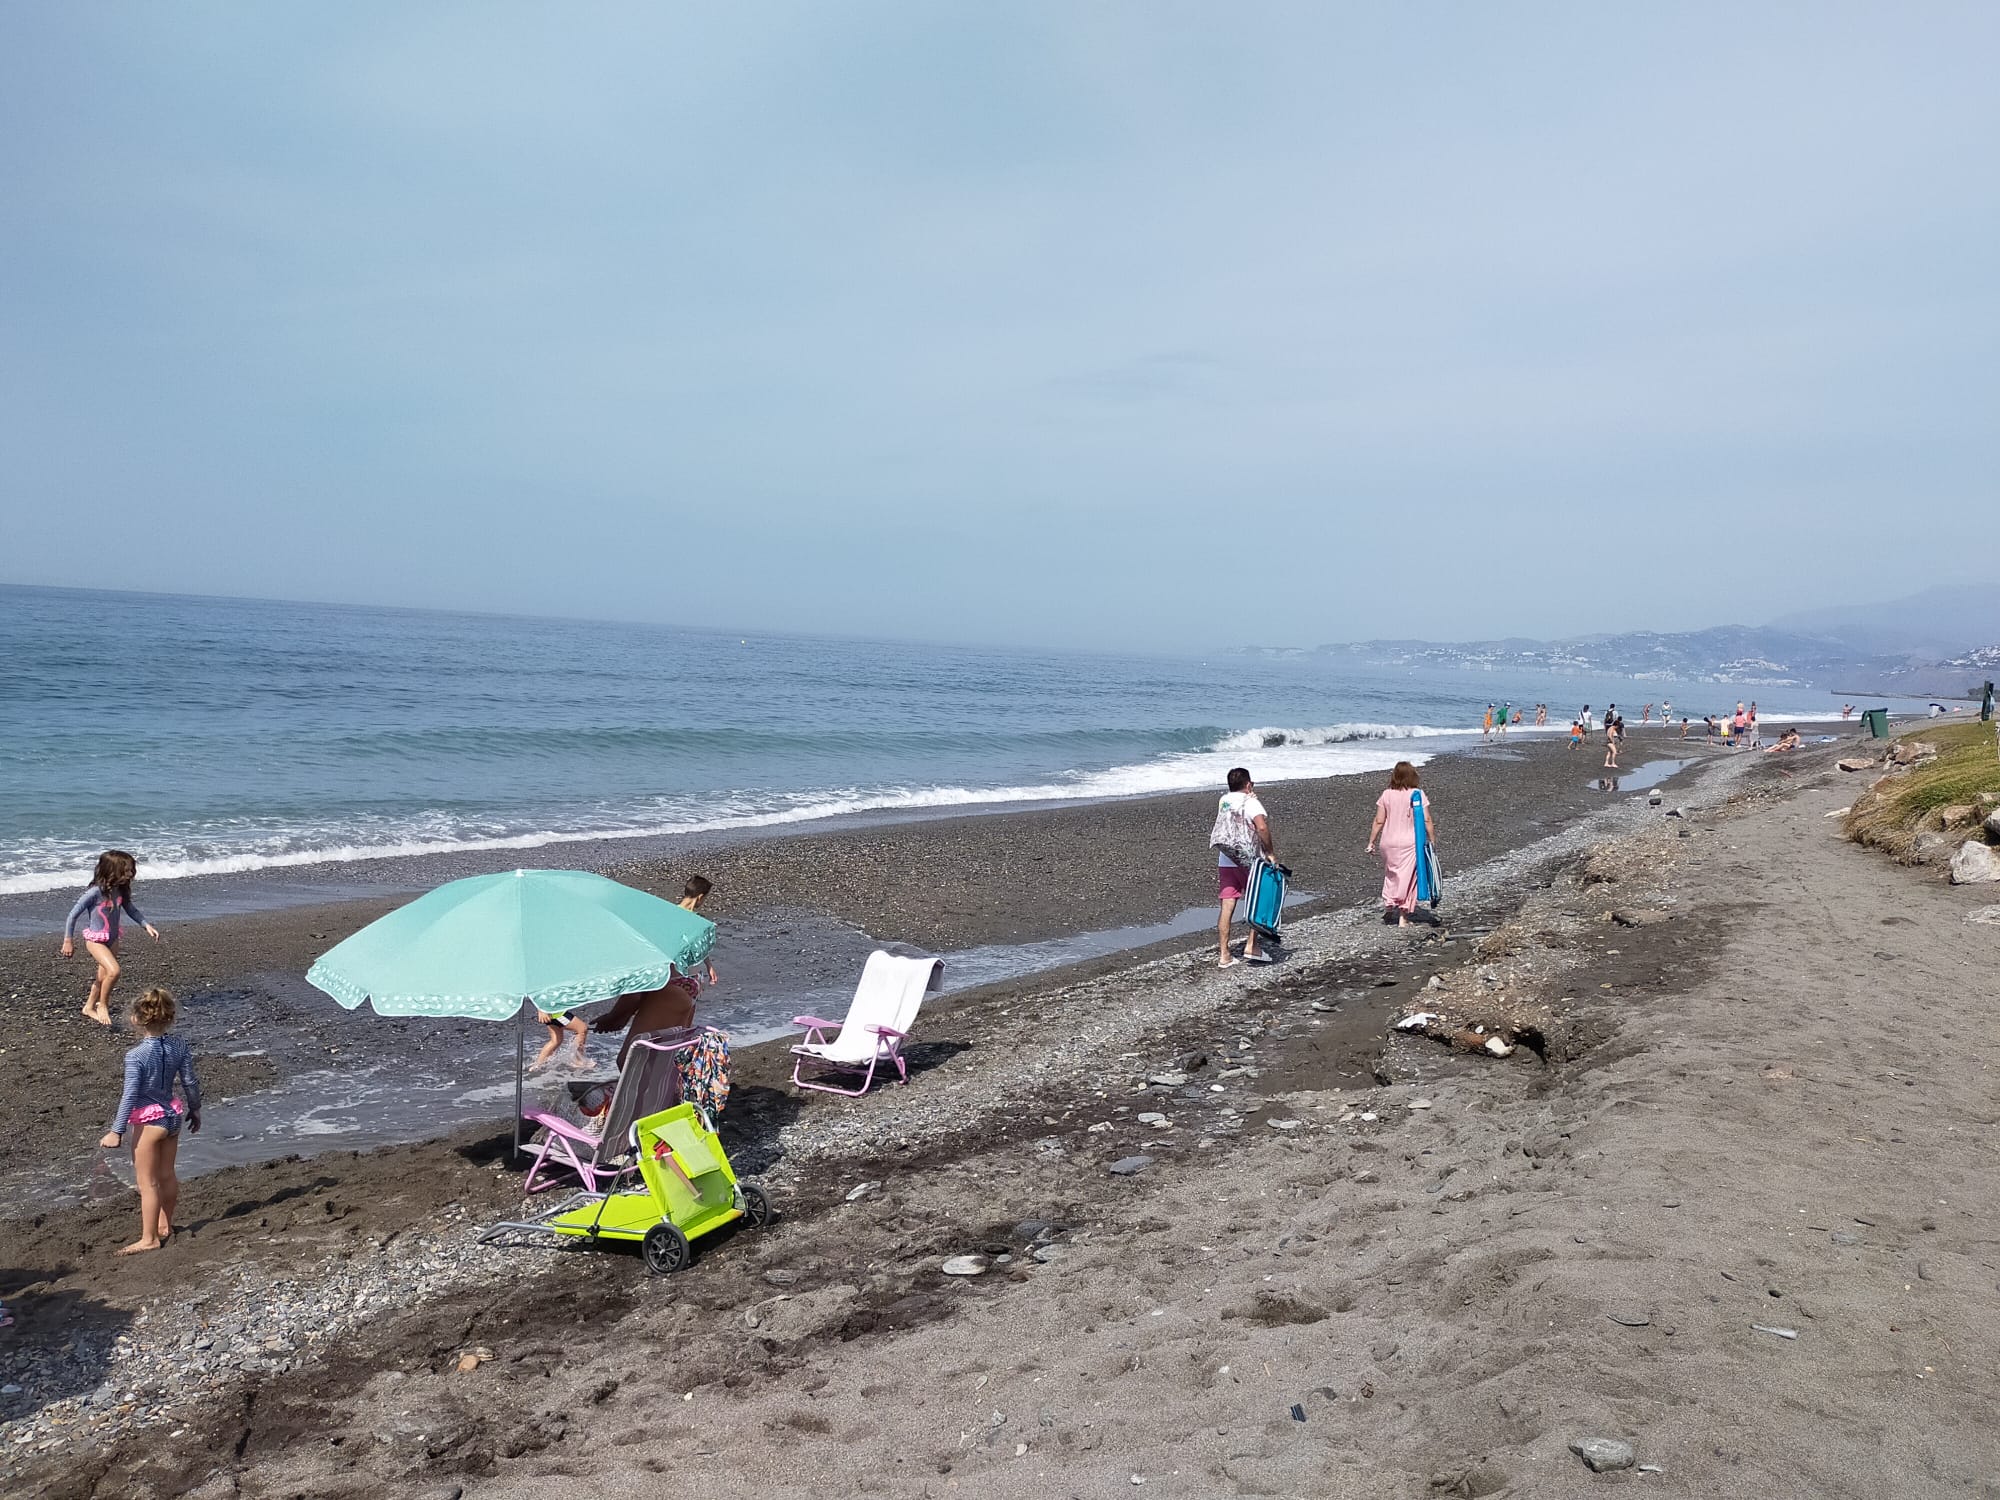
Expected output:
(1234, 834)
(705, 1074)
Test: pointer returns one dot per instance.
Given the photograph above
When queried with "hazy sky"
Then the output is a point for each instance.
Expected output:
(1125, 323)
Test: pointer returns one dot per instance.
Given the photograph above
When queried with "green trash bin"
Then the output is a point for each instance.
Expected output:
(1877, 720)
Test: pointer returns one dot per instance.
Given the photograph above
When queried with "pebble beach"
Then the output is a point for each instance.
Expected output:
(1086, 1138)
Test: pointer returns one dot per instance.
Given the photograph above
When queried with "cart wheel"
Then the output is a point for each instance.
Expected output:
(756, 1206)
(666, 1250)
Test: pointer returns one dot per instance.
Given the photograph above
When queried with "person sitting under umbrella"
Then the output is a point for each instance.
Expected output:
(667, 1008)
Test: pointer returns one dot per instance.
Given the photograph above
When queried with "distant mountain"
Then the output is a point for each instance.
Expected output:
(1962, 676)
(1750, 655)
(1927, 643)
(1927, 627)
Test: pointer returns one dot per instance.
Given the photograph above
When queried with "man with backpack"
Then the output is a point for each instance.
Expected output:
(1242, 835)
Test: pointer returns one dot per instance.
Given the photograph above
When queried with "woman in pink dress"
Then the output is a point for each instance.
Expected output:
(1395, 833)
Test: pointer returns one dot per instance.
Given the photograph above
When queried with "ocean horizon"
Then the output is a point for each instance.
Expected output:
(213, 735)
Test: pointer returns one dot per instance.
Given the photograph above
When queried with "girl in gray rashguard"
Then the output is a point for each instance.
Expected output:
(101, 910)
(150, 1113)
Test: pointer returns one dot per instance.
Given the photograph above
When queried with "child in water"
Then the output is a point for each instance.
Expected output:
(149, 1109)
(558, 1022)
(693, 894)
(100, 909)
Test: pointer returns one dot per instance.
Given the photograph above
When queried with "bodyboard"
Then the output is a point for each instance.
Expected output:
(1430, 880)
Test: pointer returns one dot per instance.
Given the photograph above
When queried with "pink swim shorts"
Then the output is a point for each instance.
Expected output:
(153, 1114)
(1232, 881)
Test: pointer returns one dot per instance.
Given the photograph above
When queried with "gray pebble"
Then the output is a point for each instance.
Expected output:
(1128, 1165)
(1603, 1454)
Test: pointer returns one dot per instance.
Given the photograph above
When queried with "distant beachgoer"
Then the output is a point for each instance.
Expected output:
(1518, 715)
(100, 909)
(1575, 733)
(1614, 731)
(1684, 726)
(1394, 832)
(1486, 724)
(148, 1107)
(1584, 719)
(1756, 736)
(1789, 740)
(1541, 715)
(1666, 712)
(1504, 718)
(1646, 715)
(1243, 828)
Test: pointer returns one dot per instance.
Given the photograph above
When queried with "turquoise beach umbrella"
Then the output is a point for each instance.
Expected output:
(478, 948)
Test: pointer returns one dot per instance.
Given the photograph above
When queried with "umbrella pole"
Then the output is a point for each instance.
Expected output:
(520, 1069)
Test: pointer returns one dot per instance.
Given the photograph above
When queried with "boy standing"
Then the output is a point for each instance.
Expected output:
(1232, 877)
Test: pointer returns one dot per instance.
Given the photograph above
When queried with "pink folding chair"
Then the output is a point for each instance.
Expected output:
(879, 1019)
(649, 1082)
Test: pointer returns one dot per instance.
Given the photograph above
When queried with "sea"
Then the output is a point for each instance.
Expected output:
(213, 735)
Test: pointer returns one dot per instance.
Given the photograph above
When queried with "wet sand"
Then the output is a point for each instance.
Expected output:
(1432, 1288)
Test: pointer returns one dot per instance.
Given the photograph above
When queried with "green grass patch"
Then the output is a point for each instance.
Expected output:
(1965, 773)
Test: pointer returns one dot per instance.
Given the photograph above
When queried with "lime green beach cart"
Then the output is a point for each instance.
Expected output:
(686, 1187)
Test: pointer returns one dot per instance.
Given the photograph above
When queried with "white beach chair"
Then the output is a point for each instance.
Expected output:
(879, 1019)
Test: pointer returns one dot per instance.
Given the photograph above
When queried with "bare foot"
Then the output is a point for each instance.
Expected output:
(139, 1246)
(91, 1015)
(1402, 921)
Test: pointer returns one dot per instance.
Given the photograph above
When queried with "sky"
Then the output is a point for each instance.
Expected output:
(1123, 324)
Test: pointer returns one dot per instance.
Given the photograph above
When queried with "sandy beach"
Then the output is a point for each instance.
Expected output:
(1355, 1262)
